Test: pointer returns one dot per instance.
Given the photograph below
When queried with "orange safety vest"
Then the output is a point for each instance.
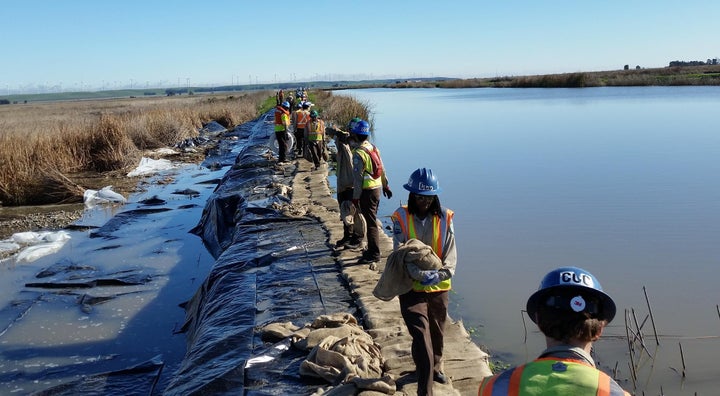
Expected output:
(302, 117)
(281, 119)
(551, 376)
(441, 225)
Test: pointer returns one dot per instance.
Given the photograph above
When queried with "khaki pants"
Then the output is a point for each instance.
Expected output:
(425, 315)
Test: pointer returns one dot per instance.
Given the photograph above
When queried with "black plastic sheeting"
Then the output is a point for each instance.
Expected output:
(270, 268)
(137, 380)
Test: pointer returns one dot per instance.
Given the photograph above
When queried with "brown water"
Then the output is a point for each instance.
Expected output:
(619, 181)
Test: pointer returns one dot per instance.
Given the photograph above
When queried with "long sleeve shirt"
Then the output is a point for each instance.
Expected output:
(344, 172)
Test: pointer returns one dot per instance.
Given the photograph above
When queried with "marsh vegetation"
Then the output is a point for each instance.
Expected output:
(46, 147)
(665, 76)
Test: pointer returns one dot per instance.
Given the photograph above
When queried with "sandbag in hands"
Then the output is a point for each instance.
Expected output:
(396, 280)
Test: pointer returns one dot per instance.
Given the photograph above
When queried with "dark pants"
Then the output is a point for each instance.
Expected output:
(299, 140)
(282, 139)
(425, 315)
(316, 151)
(369, 202)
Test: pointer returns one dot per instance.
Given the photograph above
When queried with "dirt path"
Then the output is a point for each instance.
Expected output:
(465, 363)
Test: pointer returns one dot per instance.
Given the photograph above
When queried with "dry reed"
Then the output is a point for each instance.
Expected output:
(342, 109)
(41, 144)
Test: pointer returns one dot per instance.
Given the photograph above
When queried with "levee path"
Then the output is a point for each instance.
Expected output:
(464, 362)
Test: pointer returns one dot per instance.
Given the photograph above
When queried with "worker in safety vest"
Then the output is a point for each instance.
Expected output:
(354, 233)
(299, 119)
(282, 123)
(369, 179)
(571, 310)
(315, 138)
(424, 308)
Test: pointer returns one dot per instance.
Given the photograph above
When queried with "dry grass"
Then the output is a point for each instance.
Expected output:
(42, 143)
(341, 109)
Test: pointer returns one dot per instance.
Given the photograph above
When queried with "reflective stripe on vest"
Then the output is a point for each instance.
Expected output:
(440, 225)
(551, 376)
(302, 117)
(316, 131)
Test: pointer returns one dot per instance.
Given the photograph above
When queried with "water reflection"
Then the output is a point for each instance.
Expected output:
(123, 272)
(620, 181)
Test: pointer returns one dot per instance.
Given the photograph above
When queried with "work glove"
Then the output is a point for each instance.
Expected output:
(430, 278)
(387, 193)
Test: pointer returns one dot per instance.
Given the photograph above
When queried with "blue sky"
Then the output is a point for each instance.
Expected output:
(90, 43)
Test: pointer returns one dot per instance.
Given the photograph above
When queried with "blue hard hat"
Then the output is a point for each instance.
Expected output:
(361, 128)
(423, 182)
(572, 288)
(286, 104)
(352, 123)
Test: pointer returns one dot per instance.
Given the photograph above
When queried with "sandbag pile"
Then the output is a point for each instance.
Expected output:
(340, 352)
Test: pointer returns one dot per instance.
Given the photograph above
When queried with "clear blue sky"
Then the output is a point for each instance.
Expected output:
(91, 43)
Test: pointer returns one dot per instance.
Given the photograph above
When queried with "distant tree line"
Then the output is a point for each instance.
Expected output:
(714, 61)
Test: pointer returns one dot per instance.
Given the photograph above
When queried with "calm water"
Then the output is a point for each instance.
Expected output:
(620, 181)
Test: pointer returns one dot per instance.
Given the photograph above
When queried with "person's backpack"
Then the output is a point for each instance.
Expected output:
(377, 165)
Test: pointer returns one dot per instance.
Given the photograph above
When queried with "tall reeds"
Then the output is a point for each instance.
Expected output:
(42, 145)
(342, 109)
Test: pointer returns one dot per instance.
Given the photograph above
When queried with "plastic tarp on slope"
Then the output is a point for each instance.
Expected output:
(270, 267)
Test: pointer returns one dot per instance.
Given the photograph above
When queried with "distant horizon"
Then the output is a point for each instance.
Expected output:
(78, 45)
(41, 89)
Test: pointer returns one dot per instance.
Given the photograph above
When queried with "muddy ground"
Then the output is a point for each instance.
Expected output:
(42, 220)
(56, 217)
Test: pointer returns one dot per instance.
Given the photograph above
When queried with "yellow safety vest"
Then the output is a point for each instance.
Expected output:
(316, 130)
(282, 119)
(553, 377)
(368, 182)
(440, 225)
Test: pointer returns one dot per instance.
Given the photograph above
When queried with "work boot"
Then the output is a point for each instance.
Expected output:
(440, 377)
(353, 243)
(367, 259)
(342, 243)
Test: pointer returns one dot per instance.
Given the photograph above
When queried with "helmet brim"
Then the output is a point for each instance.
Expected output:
(539, 297)
(424, 192)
